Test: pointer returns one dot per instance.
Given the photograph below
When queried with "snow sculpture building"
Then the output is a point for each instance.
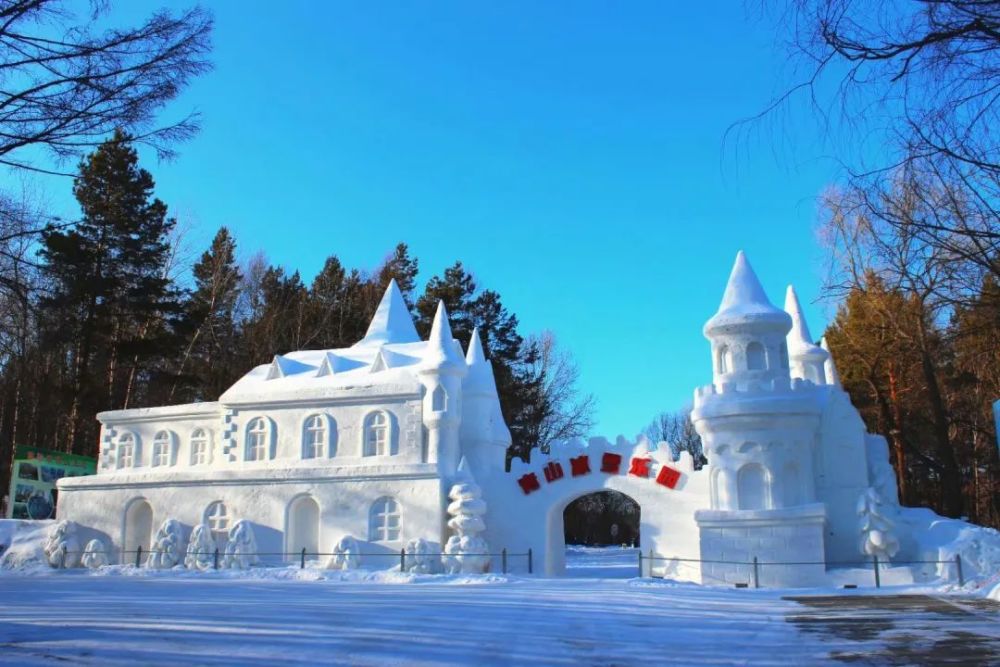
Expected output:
(312, 447)
(360, 447)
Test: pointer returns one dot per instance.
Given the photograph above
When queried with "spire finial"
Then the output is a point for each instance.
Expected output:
(442, 351)
(800, 330)
(392, 322)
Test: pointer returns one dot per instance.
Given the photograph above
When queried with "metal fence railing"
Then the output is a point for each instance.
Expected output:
(755, 568)
(503, 558)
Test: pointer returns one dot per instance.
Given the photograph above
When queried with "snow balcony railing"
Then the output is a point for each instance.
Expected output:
(775, 386)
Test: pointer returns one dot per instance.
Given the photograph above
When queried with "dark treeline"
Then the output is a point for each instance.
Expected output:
(99, 320)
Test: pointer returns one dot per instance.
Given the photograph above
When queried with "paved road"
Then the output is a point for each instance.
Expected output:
(902, 629)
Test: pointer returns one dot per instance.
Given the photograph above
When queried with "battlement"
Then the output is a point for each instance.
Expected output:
(661, 453)
(751, 388)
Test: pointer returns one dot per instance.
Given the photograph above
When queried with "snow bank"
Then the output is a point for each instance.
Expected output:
(941, 539)
(26, 548)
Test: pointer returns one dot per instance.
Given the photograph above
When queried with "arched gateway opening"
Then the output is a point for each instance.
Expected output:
(600, 534)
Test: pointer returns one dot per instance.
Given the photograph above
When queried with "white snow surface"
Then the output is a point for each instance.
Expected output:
(122, 615)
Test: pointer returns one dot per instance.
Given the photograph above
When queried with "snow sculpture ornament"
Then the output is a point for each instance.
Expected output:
(201, 549)
(95, 555)
(241, 549)
(877, 530)
(167, 545)
(419, 558)
(466, 551)
(346, 555)
(61, 547)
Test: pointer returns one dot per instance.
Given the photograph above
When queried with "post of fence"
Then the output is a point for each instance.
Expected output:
(64, 558)
(138, 555)
(302, 565)
(529, 561)
(650, 566)
(640, 563)
(216, 560)
(878, 579)
(503, 560)
(756, 573)
(958, 567)
(402, 560)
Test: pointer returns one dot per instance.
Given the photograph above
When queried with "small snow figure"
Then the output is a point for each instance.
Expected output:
(201, 549)
(95, 555)
(877, 538)
(241, 549)
(62, 548)
(167, 545)
(346, 555)
(465, 550)
(418, 556)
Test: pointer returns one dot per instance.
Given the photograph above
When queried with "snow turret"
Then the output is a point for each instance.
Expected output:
(748, 332)
(484, 433)
(806, 358)
(392, 322)
(829, 367)
(441, 371)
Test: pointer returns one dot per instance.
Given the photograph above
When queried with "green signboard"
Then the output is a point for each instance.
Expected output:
(33, 491)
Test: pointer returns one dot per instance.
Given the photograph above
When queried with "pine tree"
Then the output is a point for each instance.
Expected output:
(401, 267)
(208, 367)
(111, 304)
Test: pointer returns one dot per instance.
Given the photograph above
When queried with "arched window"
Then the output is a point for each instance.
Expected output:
(303, 525)
(163, 449)
(217, 518)
(138, 529)
(783, 353)
(258, 437)
(126, 451)
(377, 442)
(314, 437)
(199, 447)
(383, 521)
(439, 399)
(755, 357)
(751, 485)
(723, 361)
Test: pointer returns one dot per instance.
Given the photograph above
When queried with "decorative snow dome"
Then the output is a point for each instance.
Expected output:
(748, 332)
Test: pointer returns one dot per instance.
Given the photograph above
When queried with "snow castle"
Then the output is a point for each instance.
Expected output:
(370, 445)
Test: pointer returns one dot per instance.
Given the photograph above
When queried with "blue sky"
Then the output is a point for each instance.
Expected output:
(573, 156)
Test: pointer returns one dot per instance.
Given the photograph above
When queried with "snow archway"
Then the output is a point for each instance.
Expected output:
(525, 506)
(137, 528)
(302, 526)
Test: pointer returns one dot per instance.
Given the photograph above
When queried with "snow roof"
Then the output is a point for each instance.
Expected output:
(388, 360)
(800, 343)
(745, 304)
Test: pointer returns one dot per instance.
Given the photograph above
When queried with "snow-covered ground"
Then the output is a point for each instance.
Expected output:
(124, 616)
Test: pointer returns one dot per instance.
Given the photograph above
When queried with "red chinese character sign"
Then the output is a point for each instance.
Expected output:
(610, 464)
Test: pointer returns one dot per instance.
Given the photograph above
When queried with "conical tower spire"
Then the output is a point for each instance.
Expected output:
(392, 322)
(480, 379)
(441, 352)
(745, 304)
(806, 357)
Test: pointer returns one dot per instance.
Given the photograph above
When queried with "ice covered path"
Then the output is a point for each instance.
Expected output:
(78, 618)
